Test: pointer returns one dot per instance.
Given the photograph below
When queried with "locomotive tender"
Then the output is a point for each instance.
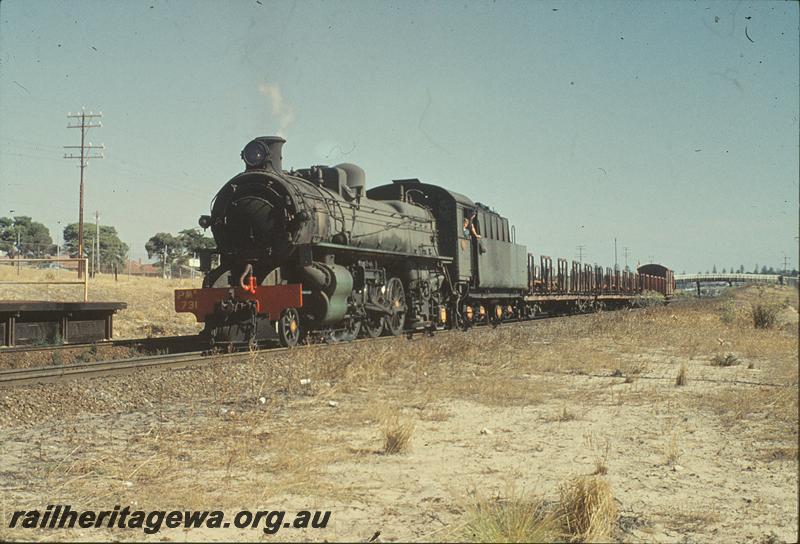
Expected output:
(311, 250)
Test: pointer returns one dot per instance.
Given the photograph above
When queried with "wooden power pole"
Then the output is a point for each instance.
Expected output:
(84, 121)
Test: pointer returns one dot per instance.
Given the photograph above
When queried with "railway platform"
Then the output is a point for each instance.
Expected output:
(31, 322)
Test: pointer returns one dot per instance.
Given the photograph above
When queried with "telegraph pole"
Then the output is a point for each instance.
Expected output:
(616, 266)
(626, 257)
(580, 252)
(84, 121)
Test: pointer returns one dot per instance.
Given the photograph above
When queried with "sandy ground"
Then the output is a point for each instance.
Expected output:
(521, 408)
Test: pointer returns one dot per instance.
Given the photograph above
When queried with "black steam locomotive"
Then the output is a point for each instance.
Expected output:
(312, 251)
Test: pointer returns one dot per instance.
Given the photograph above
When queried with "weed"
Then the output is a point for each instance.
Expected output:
(566, 415)
(397, 435)
(764, 315)
(672, 451)
(725, 360)
(56, 358)
(649, 298)
(587, 509)
(682, 378)
(517, 518)
(600, 454)
(728, 312)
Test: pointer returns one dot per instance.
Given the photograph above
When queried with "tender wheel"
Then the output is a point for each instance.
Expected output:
(289, 328)
(372, 327)
(397, 304)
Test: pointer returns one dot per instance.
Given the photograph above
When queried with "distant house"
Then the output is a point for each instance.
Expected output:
(138, 269)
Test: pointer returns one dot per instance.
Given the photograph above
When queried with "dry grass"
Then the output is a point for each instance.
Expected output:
(435, 413)
(259, 452)
(150, 311)
(682, 377)
(775, 406)
(600, 453)
(728, 359)
(397, 433)
(518, 517)
(565, 415)
(672, 450)
(694, 520)
(587, 509)
(585, 512)
(764, 315)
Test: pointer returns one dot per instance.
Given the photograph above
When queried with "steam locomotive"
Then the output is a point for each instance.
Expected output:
(311, 251)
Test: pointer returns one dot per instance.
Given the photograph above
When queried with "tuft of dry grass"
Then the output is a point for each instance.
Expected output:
(435, 413)
(728, 359)
(517, 518)
(672, 450)
(764, 315)
(397, 434)
(587, 509)
(566, 415)
(682, 378)
(694, 520)
(600, 452)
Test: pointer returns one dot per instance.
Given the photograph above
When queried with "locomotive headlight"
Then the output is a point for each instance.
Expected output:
(254, 154)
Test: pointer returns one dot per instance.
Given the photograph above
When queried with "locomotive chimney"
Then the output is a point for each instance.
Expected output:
(264, 153)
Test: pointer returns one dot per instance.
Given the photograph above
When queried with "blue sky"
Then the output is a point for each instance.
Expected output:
(663, 124)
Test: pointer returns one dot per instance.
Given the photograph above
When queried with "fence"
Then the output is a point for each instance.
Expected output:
(84, 281)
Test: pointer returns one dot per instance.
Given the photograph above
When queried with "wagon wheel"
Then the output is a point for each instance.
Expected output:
(372, 326)
(289, 328)
(397, 305)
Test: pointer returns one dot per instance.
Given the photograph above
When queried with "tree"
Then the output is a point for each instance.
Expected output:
(714, 269)
(724, 271)
(191, 242)
(755, 269)
(23, 236)
(764, 269)
(179, 248)
(165, 246)
(112, 249)
(741, 269)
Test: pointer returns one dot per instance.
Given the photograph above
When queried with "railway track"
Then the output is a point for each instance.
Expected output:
(158, 344)
(25, 376)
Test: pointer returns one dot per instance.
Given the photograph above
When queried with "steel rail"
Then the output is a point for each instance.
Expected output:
(122, 342)
(39, 374)
(44, 374)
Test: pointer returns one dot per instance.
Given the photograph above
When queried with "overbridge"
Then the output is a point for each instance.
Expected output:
(683, 280)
